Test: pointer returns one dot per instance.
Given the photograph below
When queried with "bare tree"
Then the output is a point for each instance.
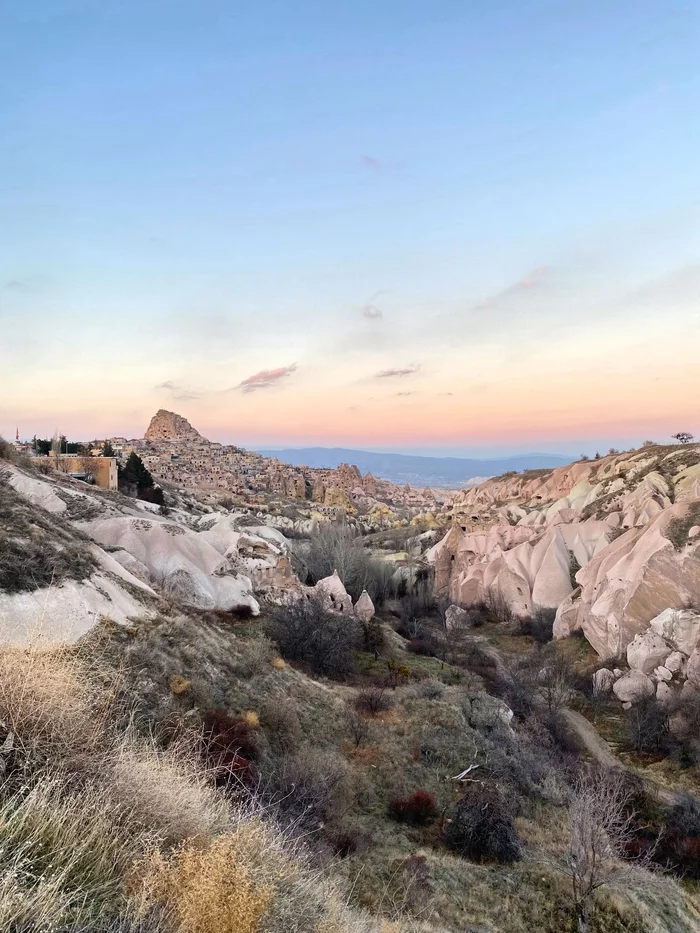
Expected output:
(683, 437)
(601, 832)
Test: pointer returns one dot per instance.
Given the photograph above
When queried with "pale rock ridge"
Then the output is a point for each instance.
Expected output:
(182, 562)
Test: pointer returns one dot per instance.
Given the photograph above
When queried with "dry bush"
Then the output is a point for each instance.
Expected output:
(481, 826)
(417, 810)
(335, 547)
(166, 791)
(280, 720)
(207, 888)
(306, 631)
(64, 857)
(37, 549)
(48, 700)
(373, 700)
(310, 788)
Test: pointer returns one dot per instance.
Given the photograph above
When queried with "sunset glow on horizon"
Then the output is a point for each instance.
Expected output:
(445, 228)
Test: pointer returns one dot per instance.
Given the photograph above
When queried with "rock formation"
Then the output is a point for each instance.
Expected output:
(609, 543)
(168, 426)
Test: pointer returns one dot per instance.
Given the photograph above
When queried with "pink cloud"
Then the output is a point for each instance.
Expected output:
(371, 311)
(393, 373)
(266, 378)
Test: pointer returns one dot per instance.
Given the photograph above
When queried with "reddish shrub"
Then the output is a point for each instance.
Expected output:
(229, 746)
(418, 809)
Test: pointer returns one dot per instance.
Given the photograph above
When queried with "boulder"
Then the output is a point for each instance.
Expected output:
(647, 651)
(333, 595)
(679, 627)
(692, 672)
(662, 674)
(675, 662)
(487, 713)
(455, 617)
(634, 686)
(664, 693)
(364, 608)
(603, 681)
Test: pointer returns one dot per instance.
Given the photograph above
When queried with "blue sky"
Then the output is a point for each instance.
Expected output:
(193, 194)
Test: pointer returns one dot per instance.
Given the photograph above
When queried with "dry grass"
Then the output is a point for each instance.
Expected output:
(37, 549)
(207, 889)
(99, 825)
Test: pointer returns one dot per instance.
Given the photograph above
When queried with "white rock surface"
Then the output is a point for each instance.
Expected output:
(647, 651)
(679, 627)
(364, 608)
(333, 594)
(633, 686)
(181, 562)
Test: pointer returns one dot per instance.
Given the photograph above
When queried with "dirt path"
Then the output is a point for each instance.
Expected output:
(589, 741)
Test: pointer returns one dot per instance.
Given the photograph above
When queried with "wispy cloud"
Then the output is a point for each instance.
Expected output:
(370, 163)
(522, 285)
(400, 394)
(396, 373)
(266, 378)
(177, 391)
(372, 311)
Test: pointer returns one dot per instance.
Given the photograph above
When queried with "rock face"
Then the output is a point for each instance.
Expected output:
(603, 681)
(647, 651)
(364, 608)
(631, 581)
(168, 426)
(181, 562)
(633, 686)
(456, 617)
(679, 627)
(333, 594)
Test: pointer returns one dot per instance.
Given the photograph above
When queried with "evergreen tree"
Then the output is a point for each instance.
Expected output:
(107, 450)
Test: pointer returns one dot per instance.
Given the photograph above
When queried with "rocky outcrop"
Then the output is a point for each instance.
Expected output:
(333, 595)
(634, 686)
(169, 426)
(182, 563)
(364, 608)
(631, 581)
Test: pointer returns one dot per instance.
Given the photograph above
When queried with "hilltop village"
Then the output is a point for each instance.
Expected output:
(176, 453)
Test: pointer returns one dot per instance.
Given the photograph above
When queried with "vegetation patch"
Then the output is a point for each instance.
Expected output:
(678, 528)
(36, 548)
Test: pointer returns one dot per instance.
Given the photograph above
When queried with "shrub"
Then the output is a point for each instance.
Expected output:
(373, 700)
(310, 787)
(679, 844)
(228, 747)
(280, 720)
(647, 725)
(335, 547)
(306, 631)
(498, 606)
(481, 826)
(540, 625)
(207, 889)
(417, 810)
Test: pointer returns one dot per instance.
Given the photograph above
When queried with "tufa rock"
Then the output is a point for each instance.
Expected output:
(169, 426)
(647, 651)
(364, 608)
(632, 687)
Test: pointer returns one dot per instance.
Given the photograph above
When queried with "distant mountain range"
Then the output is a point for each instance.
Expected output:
(440, 472)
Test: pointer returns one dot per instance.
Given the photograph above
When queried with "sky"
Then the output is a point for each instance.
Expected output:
(444, 226)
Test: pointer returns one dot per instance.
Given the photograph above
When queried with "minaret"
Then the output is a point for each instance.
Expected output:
(17, 434)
